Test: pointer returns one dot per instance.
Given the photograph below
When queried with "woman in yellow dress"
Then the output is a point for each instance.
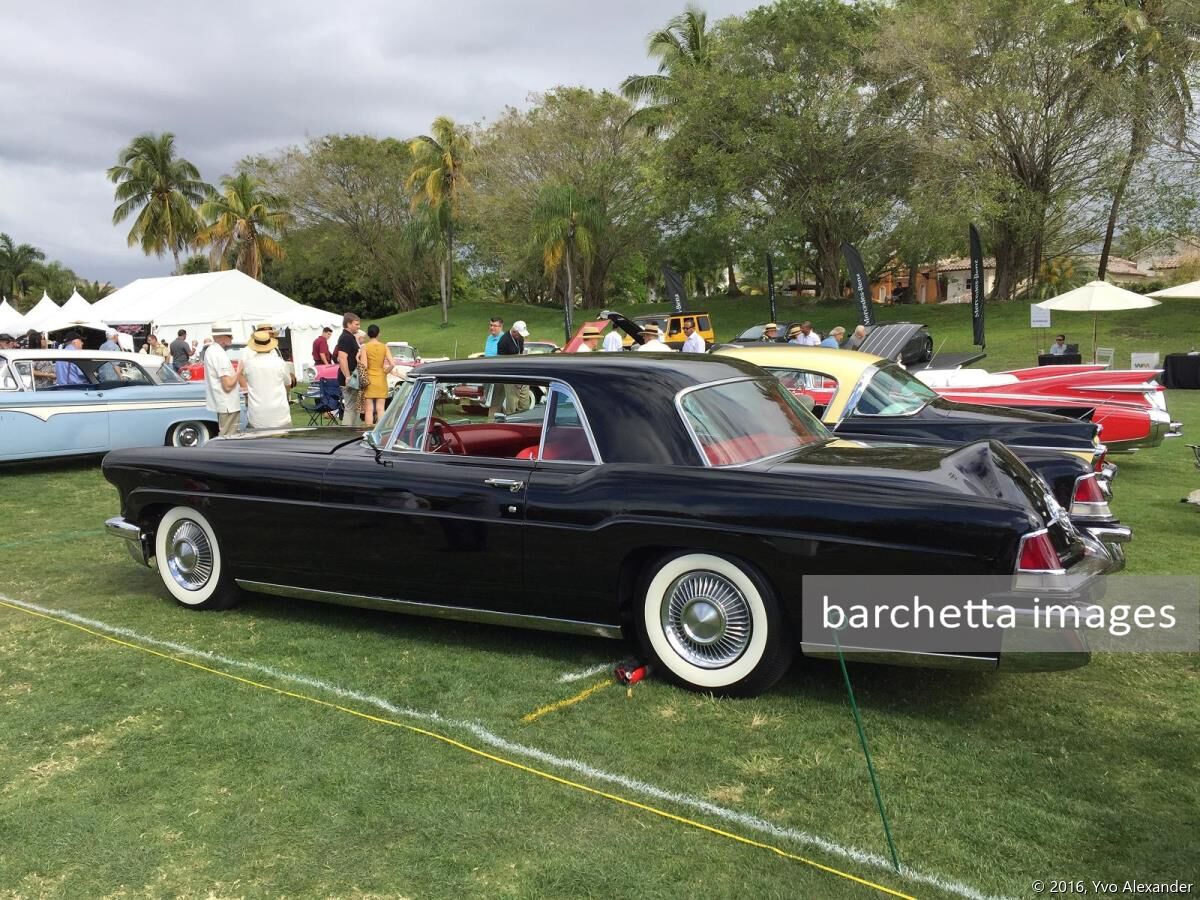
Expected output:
(374, 362)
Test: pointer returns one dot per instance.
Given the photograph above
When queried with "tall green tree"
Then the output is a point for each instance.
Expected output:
(17, 262)
(563, 224)
(163, 189)
(52, 278)
(438, 172)
(244, 221)
(1153, 46)
(91, 291)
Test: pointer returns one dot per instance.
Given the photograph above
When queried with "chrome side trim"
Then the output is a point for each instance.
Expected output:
(1110, 534)
(435, 611)
(902, 657)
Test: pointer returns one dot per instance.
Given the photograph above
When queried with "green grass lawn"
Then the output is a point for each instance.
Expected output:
(127, 774)
(1174, 326)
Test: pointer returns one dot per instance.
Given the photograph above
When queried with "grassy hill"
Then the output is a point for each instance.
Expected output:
(1172, 327)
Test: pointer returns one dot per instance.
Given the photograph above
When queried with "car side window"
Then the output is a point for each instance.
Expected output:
(496, 420)
(813, 389)
(8, 381)
(566, 438)
(120, 373)
(675, 327)
(702, 324)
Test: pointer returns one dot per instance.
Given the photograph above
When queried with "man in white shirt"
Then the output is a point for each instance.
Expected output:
(694, 343)
(651, 341)
(267, 379)
(613, 343)
(803, 335)
(220, 381)
(589, 339)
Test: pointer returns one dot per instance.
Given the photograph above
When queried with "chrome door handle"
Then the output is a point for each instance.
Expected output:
(513, 486)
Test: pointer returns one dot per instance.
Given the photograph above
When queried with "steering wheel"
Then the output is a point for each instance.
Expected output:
(443, 438)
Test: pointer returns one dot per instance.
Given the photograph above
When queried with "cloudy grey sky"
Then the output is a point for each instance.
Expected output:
(79, 79)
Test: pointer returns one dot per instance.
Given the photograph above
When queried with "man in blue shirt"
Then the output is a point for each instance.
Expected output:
(833, 340)
(1059, 347)
(67, 372)
(111, 344)
(491, 346)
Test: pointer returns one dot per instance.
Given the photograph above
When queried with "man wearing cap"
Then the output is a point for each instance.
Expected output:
(590, 338)
(833, 340)
(513, 343)
(517, 397)
(346, 356)
(803, 335)
(111, 344)
(7, 342)
(694, 343)
(320, 348)
(267, 378)
(770, 332)
(221, 381)
(650, 339)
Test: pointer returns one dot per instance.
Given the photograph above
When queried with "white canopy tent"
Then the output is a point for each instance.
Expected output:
(195, 302)
(75, 313)
(1189, 291)
(44, 309)
(11, 321)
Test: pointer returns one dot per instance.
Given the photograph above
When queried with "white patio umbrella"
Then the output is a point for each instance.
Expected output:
(1189, 291)
(1097, 297)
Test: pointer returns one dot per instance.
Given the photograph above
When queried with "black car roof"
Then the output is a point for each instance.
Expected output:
(629, 398)
(673, 370)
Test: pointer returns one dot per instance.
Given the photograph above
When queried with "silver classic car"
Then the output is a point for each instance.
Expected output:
(76, 403)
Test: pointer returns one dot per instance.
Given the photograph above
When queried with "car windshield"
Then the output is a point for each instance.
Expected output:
(740, 422)
(891, 391)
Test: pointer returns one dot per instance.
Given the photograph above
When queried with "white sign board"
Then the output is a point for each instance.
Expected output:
(1038, 317)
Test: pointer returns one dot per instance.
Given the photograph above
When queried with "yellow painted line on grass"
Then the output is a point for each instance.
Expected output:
(570, 701)
(466, 748)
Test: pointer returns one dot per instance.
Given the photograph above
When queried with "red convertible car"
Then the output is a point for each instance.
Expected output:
(1130, 407)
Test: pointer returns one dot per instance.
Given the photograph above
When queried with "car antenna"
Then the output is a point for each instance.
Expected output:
(929, 365)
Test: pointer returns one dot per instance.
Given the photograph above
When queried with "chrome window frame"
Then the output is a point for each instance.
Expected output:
(687, 424)
(860, 388)
(552, 385)
(11, 374)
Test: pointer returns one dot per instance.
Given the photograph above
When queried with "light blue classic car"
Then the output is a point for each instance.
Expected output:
(64, 403)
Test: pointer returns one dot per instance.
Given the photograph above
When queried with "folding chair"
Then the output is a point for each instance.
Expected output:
(310, 402)
(330, 404)
(1106, 355)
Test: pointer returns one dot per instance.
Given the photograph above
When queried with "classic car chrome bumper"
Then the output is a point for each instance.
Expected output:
(136, 543)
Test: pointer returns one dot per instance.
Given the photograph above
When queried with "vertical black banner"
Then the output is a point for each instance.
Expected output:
(862, 287)
(675, 289)
(771, 288)
(977, 287)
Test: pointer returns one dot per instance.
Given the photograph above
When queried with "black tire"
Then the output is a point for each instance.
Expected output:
(188, 434)
(190, 563)
(712, 624)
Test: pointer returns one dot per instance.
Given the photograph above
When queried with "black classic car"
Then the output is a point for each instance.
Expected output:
(495, 478)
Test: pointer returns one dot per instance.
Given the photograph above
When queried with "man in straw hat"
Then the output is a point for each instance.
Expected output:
(651, 339)
(267, 379)
(770, 332)
(590, 339)
(220, 380)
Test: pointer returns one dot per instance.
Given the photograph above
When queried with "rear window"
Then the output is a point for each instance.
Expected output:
(744, 421)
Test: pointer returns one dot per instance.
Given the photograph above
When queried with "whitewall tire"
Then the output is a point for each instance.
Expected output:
(188, 434)
(713, 625)
(190, 563)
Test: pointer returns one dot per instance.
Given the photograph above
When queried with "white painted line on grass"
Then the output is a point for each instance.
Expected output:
(568, 677)
(494, 740)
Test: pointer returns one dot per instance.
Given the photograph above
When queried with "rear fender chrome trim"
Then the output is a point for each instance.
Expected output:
(435, 611)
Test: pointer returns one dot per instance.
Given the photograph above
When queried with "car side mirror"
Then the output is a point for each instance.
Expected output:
(369, 439)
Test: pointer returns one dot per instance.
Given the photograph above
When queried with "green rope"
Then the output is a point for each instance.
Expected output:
(862, 737)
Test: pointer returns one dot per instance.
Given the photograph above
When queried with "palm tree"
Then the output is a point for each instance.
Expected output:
(241, 221)
(91, 291)
(52, 278)
(564, 224)
(163, 189)
(438, 176)
(17, 262)
(684, 44)
(1152, 46)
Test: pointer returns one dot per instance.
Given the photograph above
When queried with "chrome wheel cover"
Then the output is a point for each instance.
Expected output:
(188, 435)
(706, 619)
(190, 556)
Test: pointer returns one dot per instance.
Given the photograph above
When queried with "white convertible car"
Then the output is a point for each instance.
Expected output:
(63, 403)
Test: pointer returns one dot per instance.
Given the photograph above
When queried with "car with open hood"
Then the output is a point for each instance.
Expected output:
(477, 497)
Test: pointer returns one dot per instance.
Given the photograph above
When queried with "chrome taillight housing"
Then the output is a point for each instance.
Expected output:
(1088, 500)
(1037, 555)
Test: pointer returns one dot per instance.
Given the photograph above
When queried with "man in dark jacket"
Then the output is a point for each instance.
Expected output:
(516, 396)
(513, 343)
